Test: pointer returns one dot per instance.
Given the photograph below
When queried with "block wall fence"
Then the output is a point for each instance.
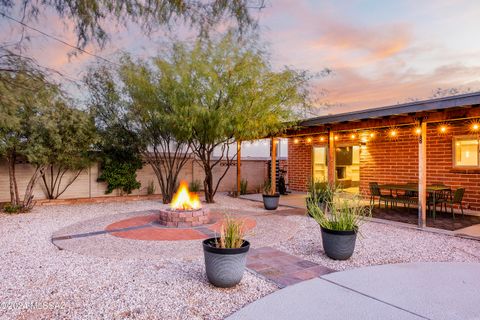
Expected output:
(86, 185)
(386, 160)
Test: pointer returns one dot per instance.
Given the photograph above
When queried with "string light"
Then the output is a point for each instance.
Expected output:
(336, 138)
(474, 126)
(392, 133)
(352, 136)
(309, 140)
(296, 141)
(443, 128)
(372, 135)
(322, 139)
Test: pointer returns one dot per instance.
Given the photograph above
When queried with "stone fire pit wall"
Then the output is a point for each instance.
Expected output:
(184, 218)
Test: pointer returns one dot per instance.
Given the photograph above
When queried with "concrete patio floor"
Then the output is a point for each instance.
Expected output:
(399, 291)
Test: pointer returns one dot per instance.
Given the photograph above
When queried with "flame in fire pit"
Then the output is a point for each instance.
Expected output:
(185, 200)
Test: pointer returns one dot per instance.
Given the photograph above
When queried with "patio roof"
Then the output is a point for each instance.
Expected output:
(415, 107)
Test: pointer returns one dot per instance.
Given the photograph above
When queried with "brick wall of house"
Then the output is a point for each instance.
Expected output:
(387, 160)
(299, 165)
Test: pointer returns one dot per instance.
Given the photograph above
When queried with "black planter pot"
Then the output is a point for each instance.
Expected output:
(338, 245)
(224, 267)
(270, 202)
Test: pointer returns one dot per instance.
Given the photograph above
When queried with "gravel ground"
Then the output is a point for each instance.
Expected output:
(380, 243)
(104, 277)
(41, 282)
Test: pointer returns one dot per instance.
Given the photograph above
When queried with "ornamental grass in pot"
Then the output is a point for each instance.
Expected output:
(226, 255)
(339, 222)
(319, 192)
(270, 197)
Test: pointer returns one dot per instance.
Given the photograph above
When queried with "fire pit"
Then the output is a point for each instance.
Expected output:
(185, 210)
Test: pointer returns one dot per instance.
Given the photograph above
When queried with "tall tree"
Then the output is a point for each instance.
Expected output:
(118, 144)
(230, 92)
(154, 107)
(145, 97)
(90, 18)
(67, 144)
(24, 126)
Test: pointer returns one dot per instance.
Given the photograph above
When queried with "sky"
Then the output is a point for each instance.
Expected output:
(380, 52)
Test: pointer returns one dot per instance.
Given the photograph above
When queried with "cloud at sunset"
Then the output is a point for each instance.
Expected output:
(381, 53)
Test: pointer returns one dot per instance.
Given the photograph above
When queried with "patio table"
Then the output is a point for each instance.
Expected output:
(433, 189)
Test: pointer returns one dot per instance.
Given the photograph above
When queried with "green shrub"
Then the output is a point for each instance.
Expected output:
(151, 187)
(194, 186)
(243, 186)
(11, 209)
(120, 175)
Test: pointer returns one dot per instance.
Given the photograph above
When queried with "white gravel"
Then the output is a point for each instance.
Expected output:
(380, 243)
(38, 281)
(104, 277)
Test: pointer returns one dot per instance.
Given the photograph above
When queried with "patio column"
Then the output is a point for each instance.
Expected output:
(273, 166)
(422, 175)
(239, 166)
(331, 158)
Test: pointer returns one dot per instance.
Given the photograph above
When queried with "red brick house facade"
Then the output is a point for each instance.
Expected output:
(388, 140)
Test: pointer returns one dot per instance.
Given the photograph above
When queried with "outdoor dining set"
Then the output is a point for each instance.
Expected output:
(407, 194)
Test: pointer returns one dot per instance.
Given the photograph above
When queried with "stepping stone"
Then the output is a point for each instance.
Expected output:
(282, 268)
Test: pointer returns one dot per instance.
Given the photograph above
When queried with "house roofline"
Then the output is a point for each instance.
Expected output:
(461, 100)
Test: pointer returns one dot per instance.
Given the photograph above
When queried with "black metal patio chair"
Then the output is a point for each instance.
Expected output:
(457, 198)
(375, 192)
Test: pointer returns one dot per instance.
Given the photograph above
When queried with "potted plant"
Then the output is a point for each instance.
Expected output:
(321, 193)
(225, 256)
(339, 223)
(270, 198)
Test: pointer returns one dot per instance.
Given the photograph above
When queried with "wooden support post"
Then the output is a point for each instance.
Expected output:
(273, 167)
(422, 175)
(331, 158)
(239, 167)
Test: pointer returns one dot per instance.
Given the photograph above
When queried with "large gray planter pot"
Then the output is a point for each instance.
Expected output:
(270, 202)
(338, 245)
(224, 267)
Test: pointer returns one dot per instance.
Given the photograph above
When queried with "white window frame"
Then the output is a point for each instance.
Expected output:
(454, 151)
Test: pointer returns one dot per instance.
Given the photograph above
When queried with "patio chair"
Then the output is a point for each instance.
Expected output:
(457, 198)
(376, 193)
(410, 197)
(441, 198)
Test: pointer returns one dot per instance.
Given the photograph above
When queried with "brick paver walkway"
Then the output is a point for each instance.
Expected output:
(282, 268)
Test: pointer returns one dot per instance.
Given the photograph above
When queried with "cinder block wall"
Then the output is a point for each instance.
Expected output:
(386, 160)
(86, 184)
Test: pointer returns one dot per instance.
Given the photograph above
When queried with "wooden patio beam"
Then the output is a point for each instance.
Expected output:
(331, 158)
(422, 175)
(273, 166)
(239, 167)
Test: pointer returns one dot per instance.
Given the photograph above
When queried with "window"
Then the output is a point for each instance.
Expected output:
(465, 152)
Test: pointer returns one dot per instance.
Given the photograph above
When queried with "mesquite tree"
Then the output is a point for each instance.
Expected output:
(67, 146)
(118, 144)
(91, 20)
(231, 92)
(140, 98)
(22, 128)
